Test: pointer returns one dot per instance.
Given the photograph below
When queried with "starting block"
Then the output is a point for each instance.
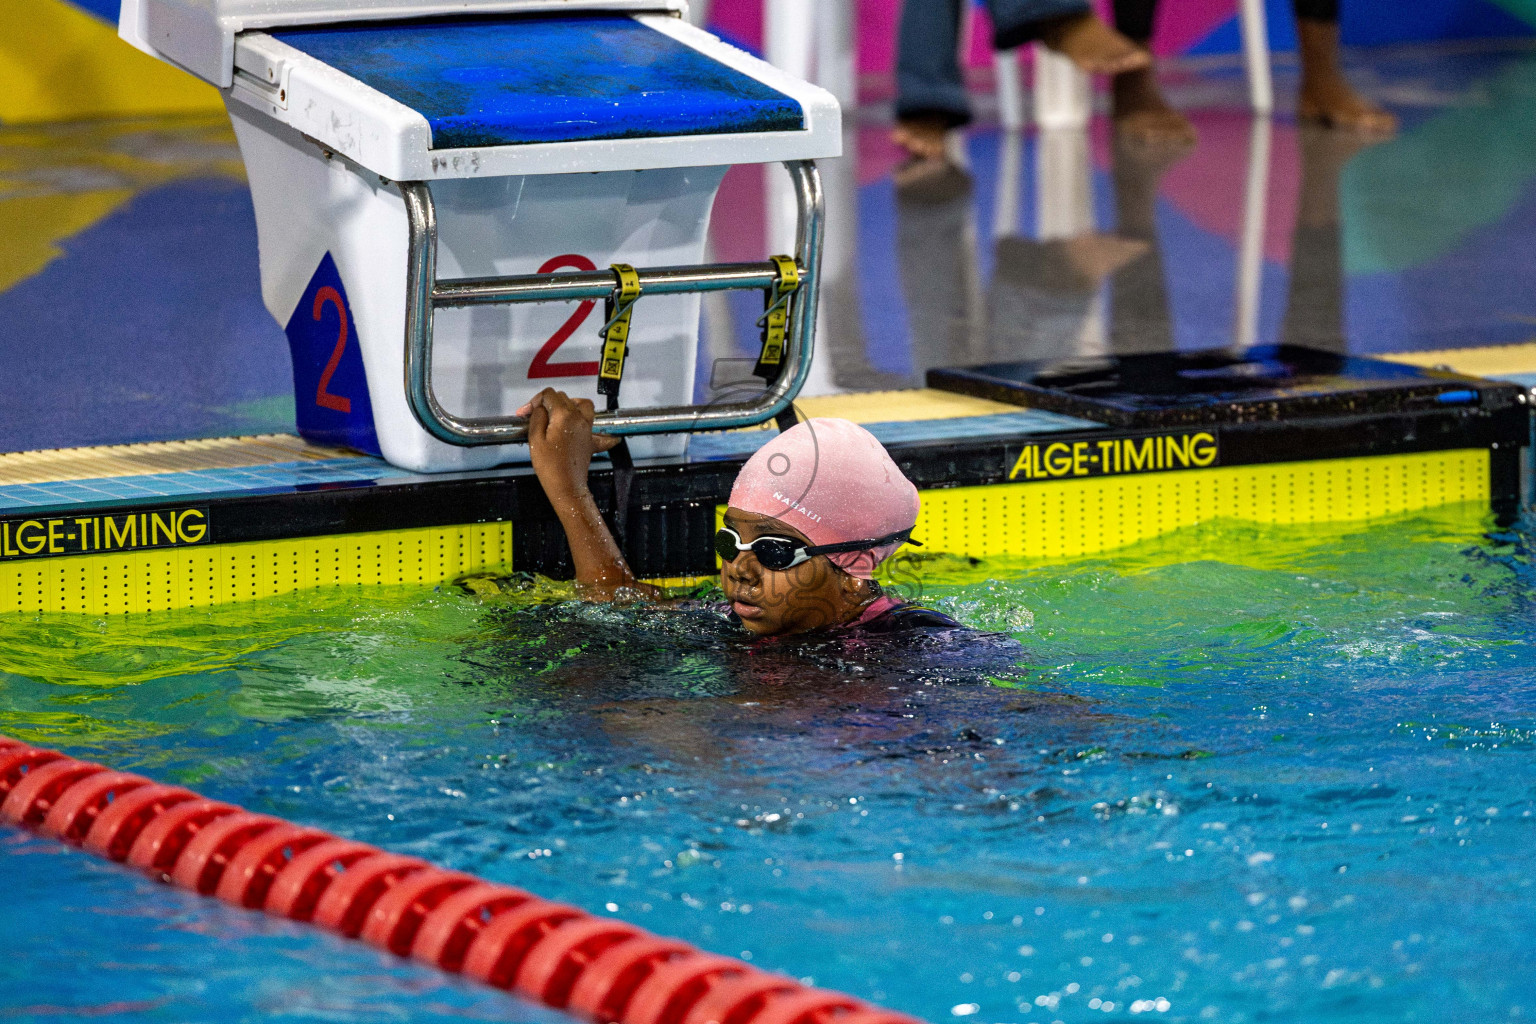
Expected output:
(533, 153)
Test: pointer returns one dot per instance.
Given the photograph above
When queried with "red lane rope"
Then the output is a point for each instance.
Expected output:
(596, 967)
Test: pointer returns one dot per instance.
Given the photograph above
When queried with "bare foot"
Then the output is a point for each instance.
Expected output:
(922, 136)
(1093, 45)
(1143, 116)
(1333, 103)
(1326, 95)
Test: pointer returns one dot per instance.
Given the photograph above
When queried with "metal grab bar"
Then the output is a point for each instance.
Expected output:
(598, 284)
(425, 294)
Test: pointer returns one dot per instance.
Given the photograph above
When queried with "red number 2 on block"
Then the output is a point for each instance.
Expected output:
(323, 397)
(541, 366)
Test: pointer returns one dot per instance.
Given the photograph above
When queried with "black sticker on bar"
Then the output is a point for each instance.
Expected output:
(60, 536)
(1116, 456)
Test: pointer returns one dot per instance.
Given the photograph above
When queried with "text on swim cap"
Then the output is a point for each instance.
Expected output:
(796, 506)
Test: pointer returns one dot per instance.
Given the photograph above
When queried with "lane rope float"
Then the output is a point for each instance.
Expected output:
(598, 968)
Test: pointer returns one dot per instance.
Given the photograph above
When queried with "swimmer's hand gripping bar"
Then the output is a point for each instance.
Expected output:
(425, 294)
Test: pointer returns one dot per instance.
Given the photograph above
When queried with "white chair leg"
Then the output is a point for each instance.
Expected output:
(1064, 180)
(837, 51)
(1250, 260)
(698, 12)
(1010, 186)
(1261, 88)
(788, 34)
(1010, 90)
(1063, 96)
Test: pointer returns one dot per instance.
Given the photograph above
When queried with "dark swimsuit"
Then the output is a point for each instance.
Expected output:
(890, 615)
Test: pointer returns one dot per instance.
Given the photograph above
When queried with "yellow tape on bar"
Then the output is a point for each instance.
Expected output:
(775, 319)
(620, 310)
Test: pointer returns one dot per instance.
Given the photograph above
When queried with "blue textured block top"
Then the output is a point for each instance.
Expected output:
(512, 80)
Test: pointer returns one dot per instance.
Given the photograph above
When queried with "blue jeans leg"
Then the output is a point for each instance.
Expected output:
(1016, 22)
(929, 80)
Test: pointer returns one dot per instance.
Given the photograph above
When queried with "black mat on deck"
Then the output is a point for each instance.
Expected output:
(1266, 384)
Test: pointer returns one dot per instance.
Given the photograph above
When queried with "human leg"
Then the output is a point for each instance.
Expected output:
(1135, 19)
(1142, 114)
(1070, 28)
(1317, 10)
(1326, 95)
(930, 88)
(931, 96)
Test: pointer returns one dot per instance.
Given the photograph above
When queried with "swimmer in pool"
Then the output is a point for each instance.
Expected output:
(811, 516)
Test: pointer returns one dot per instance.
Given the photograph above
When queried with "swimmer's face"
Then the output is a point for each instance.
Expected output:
(812, 595)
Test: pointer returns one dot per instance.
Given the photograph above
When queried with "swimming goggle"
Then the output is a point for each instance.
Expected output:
(780, 553)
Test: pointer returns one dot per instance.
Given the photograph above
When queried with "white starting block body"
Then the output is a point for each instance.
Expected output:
(527, 139)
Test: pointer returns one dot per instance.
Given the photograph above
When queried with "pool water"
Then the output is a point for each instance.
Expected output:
(1239, 774)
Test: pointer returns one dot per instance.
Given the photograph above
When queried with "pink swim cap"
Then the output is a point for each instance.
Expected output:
(831, 480)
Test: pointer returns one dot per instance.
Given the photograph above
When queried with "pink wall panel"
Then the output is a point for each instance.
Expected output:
(741, 21)
(877, 35)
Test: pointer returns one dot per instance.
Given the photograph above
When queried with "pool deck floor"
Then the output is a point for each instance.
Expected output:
(55, 479)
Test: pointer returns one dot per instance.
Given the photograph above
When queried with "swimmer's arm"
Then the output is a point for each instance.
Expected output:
(562, 443)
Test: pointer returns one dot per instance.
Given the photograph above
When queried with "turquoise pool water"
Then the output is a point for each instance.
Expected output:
(1236, 775)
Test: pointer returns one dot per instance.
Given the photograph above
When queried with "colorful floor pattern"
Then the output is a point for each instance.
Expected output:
(130, 291)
